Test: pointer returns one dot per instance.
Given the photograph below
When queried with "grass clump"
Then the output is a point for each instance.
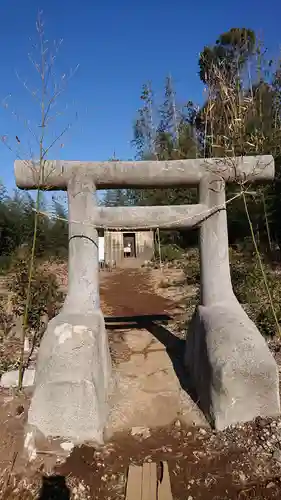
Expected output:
(45, 296)
(249, 288)
(45, 301)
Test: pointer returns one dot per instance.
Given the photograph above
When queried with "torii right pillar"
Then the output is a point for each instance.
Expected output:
(233, 373)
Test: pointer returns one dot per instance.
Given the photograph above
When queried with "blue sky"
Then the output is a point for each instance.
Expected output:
(118, 45)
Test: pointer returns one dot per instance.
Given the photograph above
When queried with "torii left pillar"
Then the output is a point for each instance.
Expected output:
(74, 368)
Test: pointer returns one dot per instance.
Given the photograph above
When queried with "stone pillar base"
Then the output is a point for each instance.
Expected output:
(233, 373)
(73, 375)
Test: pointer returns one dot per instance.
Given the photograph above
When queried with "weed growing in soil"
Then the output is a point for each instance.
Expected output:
(45, 296)
(6, 324)
(248, 285)
(45, 302)
(169, 253)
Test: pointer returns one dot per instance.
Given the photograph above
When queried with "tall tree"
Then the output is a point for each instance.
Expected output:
(115, 197)
(242, 116)
(169, 115)
(57, 244)
(170, 137)
(144, 126)
(229, 55)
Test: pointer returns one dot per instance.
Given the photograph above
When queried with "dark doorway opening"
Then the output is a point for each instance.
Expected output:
(129, 245)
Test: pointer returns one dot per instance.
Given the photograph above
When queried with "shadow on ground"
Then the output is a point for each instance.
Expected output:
(175, 347)
(127, 322)
(54, 488)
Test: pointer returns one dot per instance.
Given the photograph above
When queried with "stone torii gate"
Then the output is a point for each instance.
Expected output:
(231, 368)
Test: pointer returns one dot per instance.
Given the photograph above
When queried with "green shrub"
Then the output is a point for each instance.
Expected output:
(5, 263)
(192, 267)
(248, 284)
(249, 288)
(7, 360)
(6, 320)
(169, 253)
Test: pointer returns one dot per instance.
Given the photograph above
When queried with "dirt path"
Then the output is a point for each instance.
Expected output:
(130, 293)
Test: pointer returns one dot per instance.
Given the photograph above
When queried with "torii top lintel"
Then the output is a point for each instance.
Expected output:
(56, 174)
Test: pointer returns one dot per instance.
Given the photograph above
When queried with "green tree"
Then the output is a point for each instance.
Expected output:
(171, 137)
(242, 117)
(58, 231)
(229, 55)
(144, 126)
(17, 214)
(115, 198)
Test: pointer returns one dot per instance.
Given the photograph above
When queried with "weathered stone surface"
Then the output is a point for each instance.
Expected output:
(11, 378)
(232, 369)
(190, 413)
(131, 406)
(215, 280)
(143, 174)
(156, 346)
(72, 382)
(162, 381)
(142, 340)
(233, 372)
(175, 216)
(141, 365)
(73, 371)
(138, 340)
(148, 394)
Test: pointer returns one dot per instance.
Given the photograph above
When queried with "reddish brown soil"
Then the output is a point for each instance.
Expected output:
(128, 293)
(209, 466)
(203, 465)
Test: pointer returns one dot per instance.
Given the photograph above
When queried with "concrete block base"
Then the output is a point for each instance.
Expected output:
(233, 373)
(11, 379)
(73, 375)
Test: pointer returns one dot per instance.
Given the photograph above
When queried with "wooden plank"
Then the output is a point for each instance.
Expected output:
(134, 483)
(142, 483)
(164, 486)
(145, 490)
(149, 482)
(153, 481)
